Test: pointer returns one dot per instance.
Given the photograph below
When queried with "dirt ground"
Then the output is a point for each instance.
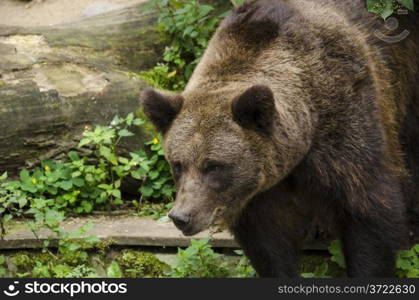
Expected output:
(54, 12)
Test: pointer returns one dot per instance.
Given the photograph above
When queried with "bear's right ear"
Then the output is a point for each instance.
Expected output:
(161, 109)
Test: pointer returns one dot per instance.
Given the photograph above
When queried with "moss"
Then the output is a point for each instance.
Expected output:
(103, 246)
(25, 261)
(141, 264)
(74, 258)
(2, 83)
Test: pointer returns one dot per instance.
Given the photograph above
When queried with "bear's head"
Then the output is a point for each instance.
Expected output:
(221, 150)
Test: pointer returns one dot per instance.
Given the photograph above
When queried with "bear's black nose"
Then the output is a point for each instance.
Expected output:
(180, 220)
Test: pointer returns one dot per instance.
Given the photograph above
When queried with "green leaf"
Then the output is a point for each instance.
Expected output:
(3, 177)
(78, 182)
(73, 246)
(107, 153)
(114, 271)
(53, 217)
(75, 174)
(138, 122)
(66, 185)
(29, 187)
(25, 177)
(123, 160)
(84, 142)
(146, 191)
(117, 184)
(116, 193)
(125, 132)
(337, 254)
(129, 119)
(409, 4)
(87, 206)
(22, 202)
(137, 174)
(106, 187)
(7, 218)
(73, 156)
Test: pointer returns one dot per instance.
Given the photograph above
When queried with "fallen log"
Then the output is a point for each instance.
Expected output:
(56, 80)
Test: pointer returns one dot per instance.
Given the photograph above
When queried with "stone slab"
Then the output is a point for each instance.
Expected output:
(122, 230)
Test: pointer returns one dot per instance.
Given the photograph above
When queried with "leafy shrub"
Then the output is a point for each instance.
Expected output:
(82, 184)
(199, 261)
(335, 249)
(407, 263)
(48, 266)
(157, 211)
(156, 177)
(244, 269)
(188, 26)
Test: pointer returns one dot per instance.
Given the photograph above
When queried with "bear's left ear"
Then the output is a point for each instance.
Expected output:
(255, 109)
(161, 108)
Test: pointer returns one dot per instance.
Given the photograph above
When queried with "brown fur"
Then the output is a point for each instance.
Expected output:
(332, 129)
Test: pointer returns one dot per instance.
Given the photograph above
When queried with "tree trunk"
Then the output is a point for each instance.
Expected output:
(55, 81)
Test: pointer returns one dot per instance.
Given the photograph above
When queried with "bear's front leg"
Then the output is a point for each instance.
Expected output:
(270, 232)
(373, 232)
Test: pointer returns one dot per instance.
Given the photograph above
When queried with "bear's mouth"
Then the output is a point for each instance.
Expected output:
(215, 224)
(190, 231)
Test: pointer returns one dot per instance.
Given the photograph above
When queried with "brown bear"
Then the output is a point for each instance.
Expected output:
(298, 111)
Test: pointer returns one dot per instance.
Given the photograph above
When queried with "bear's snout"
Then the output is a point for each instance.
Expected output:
(180, 220)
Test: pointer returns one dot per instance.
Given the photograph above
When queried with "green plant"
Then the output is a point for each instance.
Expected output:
(335, 250)
(2, 266)
(237, 2)
(385, 8)
(188, 26)
(45, 265)
(199, 261)
(155, 175)
(113, 270)
(82, 184)
(157, 211)
(244, 269)
(407, 263)
(320, 272)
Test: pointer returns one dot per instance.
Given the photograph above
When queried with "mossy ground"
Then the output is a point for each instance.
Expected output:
(136, 264)
(133, 262)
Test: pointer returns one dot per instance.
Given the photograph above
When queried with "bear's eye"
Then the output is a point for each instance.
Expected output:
(176, 169)
(213, 167)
